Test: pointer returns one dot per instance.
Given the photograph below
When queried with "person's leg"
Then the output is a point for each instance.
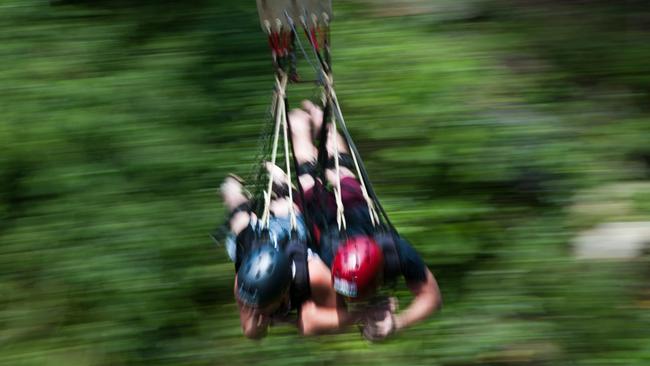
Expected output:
(233, 196)
(320, 279)
(316, 114)
(351, 193)
(232, 192)
(334, 142)
(279, 205)
(303, 146)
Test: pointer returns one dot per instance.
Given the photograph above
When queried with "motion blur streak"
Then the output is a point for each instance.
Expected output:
(509, 141)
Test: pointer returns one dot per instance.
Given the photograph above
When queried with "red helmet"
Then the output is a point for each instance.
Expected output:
(357, 267)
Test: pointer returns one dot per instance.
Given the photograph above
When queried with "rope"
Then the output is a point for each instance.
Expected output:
(281, 85)
(257, 173)
(292, 213)
(327, 82)
(364, 173)
(374, 217)
(332, 114)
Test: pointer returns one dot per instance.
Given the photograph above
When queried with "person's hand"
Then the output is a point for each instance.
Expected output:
(380, 321)
(378, 330)
(279, 176)
(262, 319)
(254, 323)
(316, 114)
(233, 192)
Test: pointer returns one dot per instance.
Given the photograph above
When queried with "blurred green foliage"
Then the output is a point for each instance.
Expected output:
(494, 130)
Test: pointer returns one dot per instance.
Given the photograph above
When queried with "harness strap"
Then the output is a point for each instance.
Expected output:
(345, 160)
(308, 168)
(296, 251)
(244, 207)
(322, 139)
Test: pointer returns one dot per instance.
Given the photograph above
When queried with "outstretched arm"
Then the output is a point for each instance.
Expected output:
(325, 312)
(316, 319)
(427, 300)
(324, 318)
(381, 323)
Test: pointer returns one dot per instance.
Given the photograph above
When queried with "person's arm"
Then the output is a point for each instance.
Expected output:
(427, 299)
(316, 319)
(422, 285)
(322, 319)
(325, 312)
(381, 322)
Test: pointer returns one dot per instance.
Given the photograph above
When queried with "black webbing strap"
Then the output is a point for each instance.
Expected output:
(320, 190)
(297, 252)
(322, 139)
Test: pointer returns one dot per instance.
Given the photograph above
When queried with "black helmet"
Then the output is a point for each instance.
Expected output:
(264, 277)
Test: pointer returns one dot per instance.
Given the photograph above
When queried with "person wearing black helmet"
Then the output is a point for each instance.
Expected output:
(264, 279)
(360, 257)
(275, 271)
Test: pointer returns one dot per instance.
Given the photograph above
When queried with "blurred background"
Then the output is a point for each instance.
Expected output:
(509, 141)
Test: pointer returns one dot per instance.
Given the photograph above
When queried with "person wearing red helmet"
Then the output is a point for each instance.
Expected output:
(360, 258)
(356, 267)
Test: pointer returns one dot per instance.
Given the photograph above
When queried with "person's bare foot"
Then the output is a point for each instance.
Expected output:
(316, 114)
(233, 192)
(279, 177)
(281, 203)
(301, 134)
